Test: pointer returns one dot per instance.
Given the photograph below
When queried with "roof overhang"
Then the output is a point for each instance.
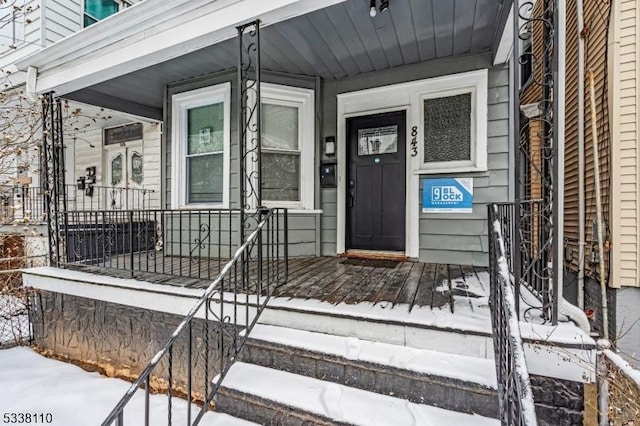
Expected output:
(148, 33)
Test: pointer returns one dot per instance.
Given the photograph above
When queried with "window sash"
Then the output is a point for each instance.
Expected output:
(295, 194)
(188, 190)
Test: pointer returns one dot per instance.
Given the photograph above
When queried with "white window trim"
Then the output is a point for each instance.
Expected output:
(304, 99)
(180, 103)
(407, 96)
(476, 85)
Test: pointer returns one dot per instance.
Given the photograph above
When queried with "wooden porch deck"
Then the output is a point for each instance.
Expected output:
(337, 280)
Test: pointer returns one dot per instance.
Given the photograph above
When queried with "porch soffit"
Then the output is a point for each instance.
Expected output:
(335, 42)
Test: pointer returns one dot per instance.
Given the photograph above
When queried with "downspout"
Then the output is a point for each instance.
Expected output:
(596, 178)
(581, 204)
(32, 77)
(573, 312)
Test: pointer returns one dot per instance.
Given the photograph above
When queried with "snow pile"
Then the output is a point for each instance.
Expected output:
(31, 383)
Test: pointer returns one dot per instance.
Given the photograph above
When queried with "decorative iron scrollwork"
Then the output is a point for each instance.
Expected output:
(250, 139)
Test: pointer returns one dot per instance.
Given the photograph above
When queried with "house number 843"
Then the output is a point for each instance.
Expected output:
(414, 141)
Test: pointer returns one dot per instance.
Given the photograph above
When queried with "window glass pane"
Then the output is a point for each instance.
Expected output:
(205, 180)
(279, 126)
(379, 140)
(89, 20)
(136, 167)
(205, 129)
(447, 128)
(116, 170)
(100, 9)
(280, 177)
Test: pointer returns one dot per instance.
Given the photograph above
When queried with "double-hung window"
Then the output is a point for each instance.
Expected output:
(288, 135)
(201, 136)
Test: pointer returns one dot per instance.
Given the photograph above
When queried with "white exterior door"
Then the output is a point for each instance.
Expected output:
(124, 177)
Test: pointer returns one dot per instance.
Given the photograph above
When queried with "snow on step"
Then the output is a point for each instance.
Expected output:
(469, 369)
(341, 403)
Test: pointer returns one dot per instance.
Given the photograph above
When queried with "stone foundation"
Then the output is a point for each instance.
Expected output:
(558, 402)
(122, 339)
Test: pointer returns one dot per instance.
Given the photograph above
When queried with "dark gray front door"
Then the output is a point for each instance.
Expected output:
(376, 182)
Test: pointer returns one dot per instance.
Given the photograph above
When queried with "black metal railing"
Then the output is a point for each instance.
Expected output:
(197, 356)
(514, 388)
(97, 197)
(527, 251)
(26, 204)
(21, 205)
(179, 243)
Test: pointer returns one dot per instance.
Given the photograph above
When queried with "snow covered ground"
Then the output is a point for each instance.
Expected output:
(31, 383)
(14, 320)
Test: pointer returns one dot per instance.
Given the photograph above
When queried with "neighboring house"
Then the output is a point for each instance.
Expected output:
(601, 37)
(27, 27)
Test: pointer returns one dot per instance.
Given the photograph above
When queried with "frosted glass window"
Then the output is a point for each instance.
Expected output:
(204, 159)
(447, 129)
(280, 153)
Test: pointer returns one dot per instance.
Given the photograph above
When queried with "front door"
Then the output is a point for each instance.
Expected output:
(124, 177)
(376, 182)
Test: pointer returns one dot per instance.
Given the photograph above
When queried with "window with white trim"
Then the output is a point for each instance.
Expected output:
(453, 127)
(288, 136)
(200, 143)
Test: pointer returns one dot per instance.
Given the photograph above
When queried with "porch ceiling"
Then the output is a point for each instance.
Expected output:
(332, 43)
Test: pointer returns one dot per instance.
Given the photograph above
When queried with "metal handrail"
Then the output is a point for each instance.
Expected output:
(242, 254)
(514, 387)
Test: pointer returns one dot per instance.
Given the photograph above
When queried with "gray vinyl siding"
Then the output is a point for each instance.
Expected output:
(448, 238)
(63, 17)
(302, 226)
(462, 238)
(445, 238)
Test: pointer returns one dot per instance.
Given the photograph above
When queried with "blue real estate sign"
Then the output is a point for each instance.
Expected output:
(447, 195)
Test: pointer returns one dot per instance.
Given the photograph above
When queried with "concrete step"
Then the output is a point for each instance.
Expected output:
(454, 382)
(268, 396)
(464, 333)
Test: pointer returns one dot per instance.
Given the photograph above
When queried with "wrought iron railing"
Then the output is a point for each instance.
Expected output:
(197, 356)
(21, 205)
(527, 251)
(193, 244)
(514, 388)
(97, 197)
(26, 204)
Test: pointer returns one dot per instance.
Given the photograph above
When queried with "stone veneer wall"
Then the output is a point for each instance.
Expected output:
(122, 339)
(558, 402)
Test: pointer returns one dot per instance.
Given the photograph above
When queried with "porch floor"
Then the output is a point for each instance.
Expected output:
(337, 280)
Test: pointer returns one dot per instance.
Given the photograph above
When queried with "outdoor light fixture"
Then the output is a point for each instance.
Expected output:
(372, 8)
(330, 146)
(373, 11)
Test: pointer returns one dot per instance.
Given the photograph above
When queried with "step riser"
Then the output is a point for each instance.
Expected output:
(441, 340)
(447, 393)
(266, 412)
